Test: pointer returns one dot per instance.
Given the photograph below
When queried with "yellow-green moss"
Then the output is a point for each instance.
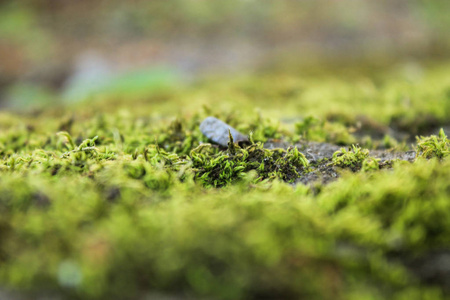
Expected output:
(433, 146)
(119, 201)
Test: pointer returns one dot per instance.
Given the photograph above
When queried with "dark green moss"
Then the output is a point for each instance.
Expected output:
(225, 167)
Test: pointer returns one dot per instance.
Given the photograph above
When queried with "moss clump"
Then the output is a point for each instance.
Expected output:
(352, 158)
(433, 146)
(225, 167)
(395, 206)
(370, 164)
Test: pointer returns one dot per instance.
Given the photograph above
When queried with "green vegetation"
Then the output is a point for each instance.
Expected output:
(433, 146)
(354, 157)
(126, 198)
(221, 169)
(370, 164)
(314, 129)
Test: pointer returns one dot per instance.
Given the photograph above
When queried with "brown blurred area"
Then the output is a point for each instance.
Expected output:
(46, 42)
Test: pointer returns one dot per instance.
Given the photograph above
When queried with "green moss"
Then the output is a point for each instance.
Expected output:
(353, 158)
(225, 167)
(141, 225)
(395, 206)
(433, 146)
(314, 129)
(264, 128)
(119, 201)
(370, 164)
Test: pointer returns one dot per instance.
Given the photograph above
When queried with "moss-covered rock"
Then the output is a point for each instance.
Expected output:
(120, 201)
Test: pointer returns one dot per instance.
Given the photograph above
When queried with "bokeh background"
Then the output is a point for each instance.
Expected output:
(63, 51)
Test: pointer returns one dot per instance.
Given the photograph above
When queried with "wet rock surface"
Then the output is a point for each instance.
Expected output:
(320, 155)
(322, 172)
(315, 151)
(217, 131)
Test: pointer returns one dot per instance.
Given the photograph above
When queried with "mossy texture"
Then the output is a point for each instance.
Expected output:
(120, 202)
(354, 157)
(433, 146)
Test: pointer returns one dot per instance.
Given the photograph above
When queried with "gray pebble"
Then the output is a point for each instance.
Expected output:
(217, 131)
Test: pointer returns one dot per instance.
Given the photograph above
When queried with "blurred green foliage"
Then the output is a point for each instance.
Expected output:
(314, 129)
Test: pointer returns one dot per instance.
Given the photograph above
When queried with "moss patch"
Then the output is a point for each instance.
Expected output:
(129, 199)
(433, 146)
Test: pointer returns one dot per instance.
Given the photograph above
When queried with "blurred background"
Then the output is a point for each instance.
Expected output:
(63, 51)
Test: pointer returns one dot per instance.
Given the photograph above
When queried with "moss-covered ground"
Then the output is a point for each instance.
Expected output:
(124, 198)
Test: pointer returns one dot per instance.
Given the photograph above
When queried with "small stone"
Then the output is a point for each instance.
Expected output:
(217, 131)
